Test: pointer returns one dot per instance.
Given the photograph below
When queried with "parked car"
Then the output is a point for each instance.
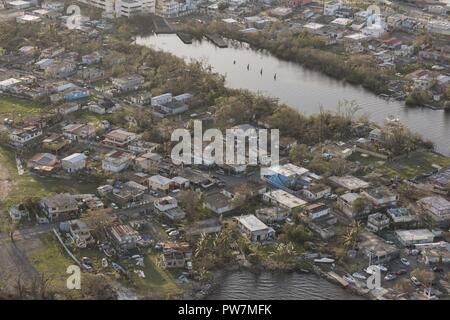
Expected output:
(405, 261)
(390, 276)
(401, 272)
(416, 282)
(437, 269)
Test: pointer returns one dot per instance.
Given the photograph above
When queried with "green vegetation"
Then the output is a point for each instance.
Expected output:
(26, 186)
(158, 281)
(19, 107)
(415, 164)
(54, 272)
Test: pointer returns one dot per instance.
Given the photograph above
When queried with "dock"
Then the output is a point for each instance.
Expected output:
(217, 40)
(185, 37)
(335, 277)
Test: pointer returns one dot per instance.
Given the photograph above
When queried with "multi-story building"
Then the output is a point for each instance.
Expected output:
(123, 8)
(20, 137)
(116, 161)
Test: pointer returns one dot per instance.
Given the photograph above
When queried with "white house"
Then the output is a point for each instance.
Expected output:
(74, 162)
(255, 229)
(160, 183)
(316, 191)
(283, 199)
(116, 161)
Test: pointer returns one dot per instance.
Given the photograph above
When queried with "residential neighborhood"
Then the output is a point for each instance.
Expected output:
(87, 142)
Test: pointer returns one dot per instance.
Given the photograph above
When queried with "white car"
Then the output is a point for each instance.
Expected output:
(382, 268)
(405, 261)
(174, 233)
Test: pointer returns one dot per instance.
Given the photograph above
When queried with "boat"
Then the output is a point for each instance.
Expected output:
(117, 267)
(391, 119)
(324, 260)
(359, 276)
(104, 263)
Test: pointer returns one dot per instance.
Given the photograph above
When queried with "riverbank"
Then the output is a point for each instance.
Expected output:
(311, 52)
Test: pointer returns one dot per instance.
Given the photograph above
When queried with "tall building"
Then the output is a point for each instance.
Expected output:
(123, 8)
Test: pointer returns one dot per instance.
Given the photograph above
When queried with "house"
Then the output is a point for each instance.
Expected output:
(90, 73)
(55, 142)
(167, 104)
(18, 212)
(272, 214)
(176, 255)
(143, 98)
(74, 162)
(43, 162)
(77, 131)
(346, 204)
(67, 108)
(349, 183)
(206, 226)
(316, 191)
(21, 137)
(381, 197)
(414, 236)
(166, 203)
(119, 138)
(436, 255)
(124, 237)
(129, 83)
(28, 19)
(91, 58)
(80, 233)
(59, 206)
(377, 222)
(287, 177)
(438, 208)
(401, 216)
(317, 210)
(255, 229)
(148, 161)
(283, 199)
(116, 161)
(218, 202)
(127, 193)
(376, 249)
(422, 79)
(181, 183)
(160, 183)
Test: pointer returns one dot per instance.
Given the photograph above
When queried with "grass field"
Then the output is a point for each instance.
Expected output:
(20, 107)
(157, 281)
(416, 164)
(51, 261)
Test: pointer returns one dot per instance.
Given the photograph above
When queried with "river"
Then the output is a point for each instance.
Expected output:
(303, 89)
(245, 285)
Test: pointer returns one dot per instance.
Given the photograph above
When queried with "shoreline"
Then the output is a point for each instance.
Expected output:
(220, 274)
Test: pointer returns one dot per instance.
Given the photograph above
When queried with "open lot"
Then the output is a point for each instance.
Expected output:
(20, 107)
(416, 164)
(34, 186)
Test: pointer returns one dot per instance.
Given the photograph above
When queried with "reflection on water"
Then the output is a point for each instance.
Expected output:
(267, 286)
(303, 89)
